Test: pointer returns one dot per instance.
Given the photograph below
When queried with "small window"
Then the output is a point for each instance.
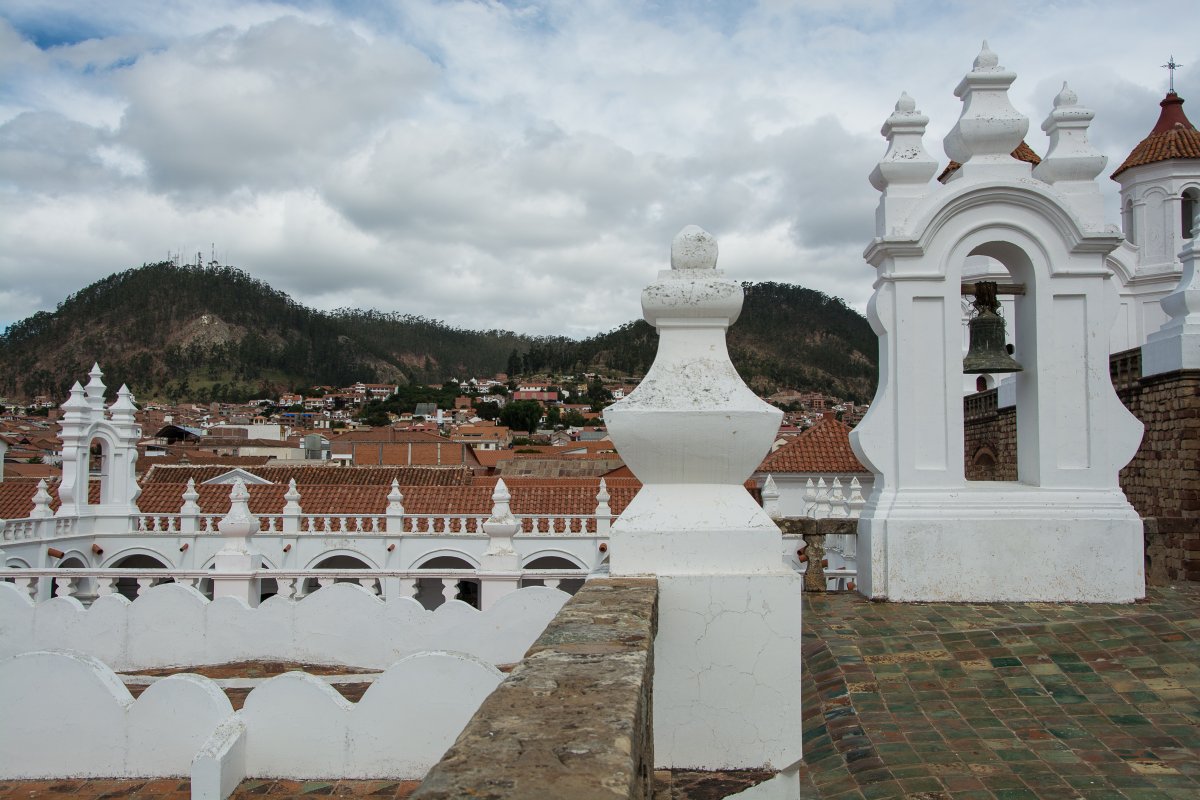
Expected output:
(1127, 222)
(1187, 212)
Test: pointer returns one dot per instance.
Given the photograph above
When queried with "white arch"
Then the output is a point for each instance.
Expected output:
(326, 554)
(993, 200)
(553, 553)
(420, 561)
(139, 551)
(20, 563)
(79, 555)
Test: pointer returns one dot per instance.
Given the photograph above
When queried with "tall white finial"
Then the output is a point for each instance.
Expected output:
(988, 128)
(904, 172)
(95, 388)
(1071, 163)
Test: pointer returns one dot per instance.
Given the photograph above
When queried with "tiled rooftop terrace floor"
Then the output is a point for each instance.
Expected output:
(1002, 701)
(943, 702)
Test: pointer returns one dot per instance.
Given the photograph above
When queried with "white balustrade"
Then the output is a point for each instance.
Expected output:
(68, 581)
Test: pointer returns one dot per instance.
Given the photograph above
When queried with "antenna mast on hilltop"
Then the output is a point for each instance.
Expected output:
(1171, 66)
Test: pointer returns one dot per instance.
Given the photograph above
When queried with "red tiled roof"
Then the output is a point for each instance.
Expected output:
(388, 434)
(1174, 136)
(16, 496)
(17, 469)
(182, 455)
(535, 498)
(1023, 153)
(490, 458)
(823, 448)
(309, 474)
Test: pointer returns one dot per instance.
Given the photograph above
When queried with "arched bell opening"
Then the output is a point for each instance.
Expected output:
(1004, 269)
(98, 471)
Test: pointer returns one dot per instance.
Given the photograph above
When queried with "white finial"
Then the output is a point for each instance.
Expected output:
(76, 402)
(769, 489)
(1066, 97)
(395, 498)
(986, 60)
(1071, 163)
(603, 509)
(693, 248)
(500, 501)
(905, 169)
(500, 527)
(95, 388)
(123, 407)
(41, 501)
(190, 507)
(239, 523)
(988, 127)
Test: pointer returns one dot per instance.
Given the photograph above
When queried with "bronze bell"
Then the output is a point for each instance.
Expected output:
(987, 352)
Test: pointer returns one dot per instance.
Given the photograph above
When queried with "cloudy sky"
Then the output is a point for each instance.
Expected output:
(520, 165)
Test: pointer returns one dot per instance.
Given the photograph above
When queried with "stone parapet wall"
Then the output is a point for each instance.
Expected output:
(574, 717)
(1162, 481)
(1172, 549)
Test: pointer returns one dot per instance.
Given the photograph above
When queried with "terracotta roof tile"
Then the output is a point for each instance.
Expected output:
(1173, 136)
(823, 448)
(310, 474)
(544, 498)
(1023, 153)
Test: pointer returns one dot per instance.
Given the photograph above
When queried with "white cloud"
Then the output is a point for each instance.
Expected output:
(519, 166)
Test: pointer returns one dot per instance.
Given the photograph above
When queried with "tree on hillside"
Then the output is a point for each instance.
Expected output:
(522, 415)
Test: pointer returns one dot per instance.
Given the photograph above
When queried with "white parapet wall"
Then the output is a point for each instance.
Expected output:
(173, 625)
(77, 720)
(67, 715)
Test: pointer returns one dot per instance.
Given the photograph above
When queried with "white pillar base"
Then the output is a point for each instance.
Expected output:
(232, 576)
(1171, 353)
(493, 587)
(1016, 545)
(699, 528)
(727, 665)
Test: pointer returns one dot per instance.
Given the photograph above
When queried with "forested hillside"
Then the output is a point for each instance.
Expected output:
(213, 332)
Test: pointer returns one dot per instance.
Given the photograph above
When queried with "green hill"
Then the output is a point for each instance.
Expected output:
(205, 333)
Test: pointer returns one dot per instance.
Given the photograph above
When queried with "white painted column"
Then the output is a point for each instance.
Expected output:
(727, 654)
(235, 561)
(499, 568)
